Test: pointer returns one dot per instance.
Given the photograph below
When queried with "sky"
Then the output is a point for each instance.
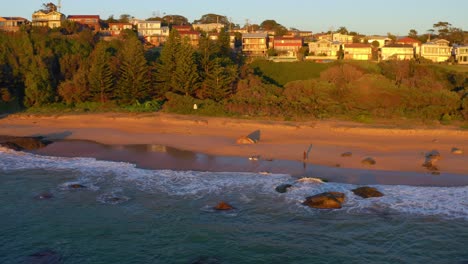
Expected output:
(368, 17)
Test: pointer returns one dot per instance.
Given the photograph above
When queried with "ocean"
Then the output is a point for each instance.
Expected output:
(125, 214)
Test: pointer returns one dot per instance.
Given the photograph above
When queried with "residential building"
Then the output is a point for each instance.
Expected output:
(289, 45)
(398, 52)
(182, 28)
(461, 53)
(416, 44)
(336, 37)
(153, 32)
(357, 51)
(90, 21)
(210, 27)
(255, 44)
(12, 24)
(51, 19)
(117, 28)
(380, 39)
(437, 50)
(193, 37)
(324, 47)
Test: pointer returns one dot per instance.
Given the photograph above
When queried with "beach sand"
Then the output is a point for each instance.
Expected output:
(164, 141)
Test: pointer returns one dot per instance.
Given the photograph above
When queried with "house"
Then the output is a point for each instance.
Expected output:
(437, 50)
(324, 47)
(153, 32)
(289, 45)
(90, 21)
(117, 28)
(398, 52)
(12, 24)
(461, 53)
(357, 51)
(255, 44)
(336, 37)
(210, 27)
(411, 41)
(193, 37)
(52, 19)
(182, 28)
(380, 39)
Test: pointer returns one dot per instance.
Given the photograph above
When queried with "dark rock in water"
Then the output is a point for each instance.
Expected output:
(326, 200)
(346, 154)
(24, 143)
(44, 257)
(44, 196)
(76, 186)
(283, 188)
(367, 192)
(206, 260)
(368, 161)
(223, 206)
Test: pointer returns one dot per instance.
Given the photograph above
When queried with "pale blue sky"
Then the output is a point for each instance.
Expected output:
(364, 16)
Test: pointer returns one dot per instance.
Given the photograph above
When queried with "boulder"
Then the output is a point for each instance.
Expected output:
(457, 151)
(245, 140)
(326, 200)
(367, 192)
(346, 154)
(368, 161)
(433, 155)
(223, 206)
(25, 143)
(283, 188)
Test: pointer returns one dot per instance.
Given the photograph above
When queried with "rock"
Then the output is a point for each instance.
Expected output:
(25, 143)
(326, 200)
(76, 186)
(430, 165)
(44, 196)
(44, 257)
(223, 206)
(283, 188)
(245, 140)
(457, 151)
(368, 161)
(346, 154)
(433, 155)
(431, 158)
(367, 192)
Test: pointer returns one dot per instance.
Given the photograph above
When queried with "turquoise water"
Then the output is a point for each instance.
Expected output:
(167, 217)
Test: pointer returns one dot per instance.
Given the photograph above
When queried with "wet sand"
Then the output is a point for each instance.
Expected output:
(162, 141)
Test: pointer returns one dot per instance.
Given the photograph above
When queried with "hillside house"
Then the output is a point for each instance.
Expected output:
(116, 29)
(383, 41)
(411, 41)
(153, 32)
(461, 54)
(12, 24)
(255, 44)
(324, 47)
(51, 19)
(210, 27)
(90, 21)
(357, 51)
(437, 50)
(288, 45)
(398, 52)
(336, 37)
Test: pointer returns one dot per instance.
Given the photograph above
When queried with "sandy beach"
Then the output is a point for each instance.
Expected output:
(399, 153)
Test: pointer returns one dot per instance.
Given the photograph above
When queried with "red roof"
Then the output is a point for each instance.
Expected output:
(83, 16)
(182, 28)
(408, 40)
(357, 45)
(288, 38)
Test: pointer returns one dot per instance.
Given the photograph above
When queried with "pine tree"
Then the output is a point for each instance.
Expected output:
(166, 65)
(101, 80)
(38, 88)
(186, 79)
(133, 82)
(219, 80)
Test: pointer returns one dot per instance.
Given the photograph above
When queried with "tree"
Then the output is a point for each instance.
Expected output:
(413, 33)
(186, 79)
(342, 30)
(175, 20)
(101, 80)
(392, 37)
(272, 25)
(167, 63)
(219, 80)
(214, 18)
(375, 44)
(75, 90)
(48, 7)
(133, 82)
(443, 28)
(38, 88)
(125, 18)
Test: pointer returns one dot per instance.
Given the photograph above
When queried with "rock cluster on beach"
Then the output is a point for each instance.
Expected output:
(326, 200)
(367, 192)
(430, 162)
(23, 143)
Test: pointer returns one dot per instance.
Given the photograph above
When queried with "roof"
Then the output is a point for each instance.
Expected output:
(14, 18)
(255, 35)
(398, 46)
(408, 40)
(83, 16)
(191, 32)
(288, 38)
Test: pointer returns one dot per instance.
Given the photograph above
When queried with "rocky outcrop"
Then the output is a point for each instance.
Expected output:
(368, 161)
(367, 192)
(223, 206)
(245, 140)
(457, 151)
(326, 200)
(23, 143)
(283, 188)
(431, 158)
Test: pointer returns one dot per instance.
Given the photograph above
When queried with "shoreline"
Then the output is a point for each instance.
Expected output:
(397, 152)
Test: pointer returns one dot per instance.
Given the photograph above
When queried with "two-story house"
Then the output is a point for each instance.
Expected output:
(461, 54)
(52, 19)
(324, 47)
(116, 29)
(357, 51)
(397, 52)
(255, 44)
(411, 41)
(209, 27)
(336, 37)
(437, 50)
(153, 32)
(288, 45)
(90, 21)
(12, 24)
